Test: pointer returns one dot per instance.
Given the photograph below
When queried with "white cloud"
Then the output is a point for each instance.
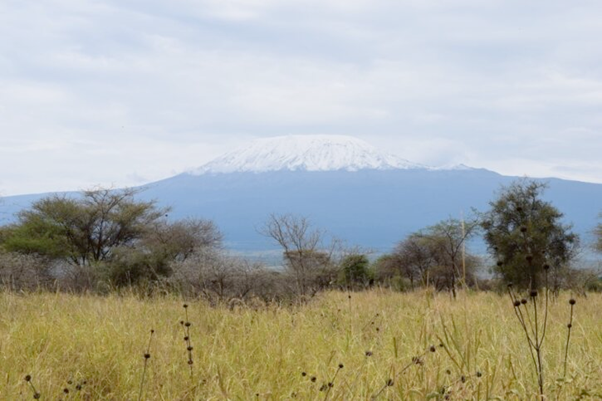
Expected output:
(120, 91)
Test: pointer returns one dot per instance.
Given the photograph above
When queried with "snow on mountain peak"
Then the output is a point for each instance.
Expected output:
(305, 153)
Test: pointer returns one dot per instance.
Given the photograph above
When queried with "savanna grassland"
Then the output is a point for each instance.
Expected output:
(374, 344)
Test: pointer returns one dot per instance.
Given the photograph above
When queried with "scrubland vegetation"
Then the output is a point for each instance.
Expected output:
(104, 297)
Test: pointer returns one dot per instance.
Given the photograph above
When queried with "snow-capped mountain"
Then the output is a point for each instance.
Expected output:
(306, 153)
(343, 184)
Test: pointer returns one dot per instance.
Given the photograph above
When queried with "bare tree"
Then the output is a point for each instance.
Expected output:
(305, 255)
(448, 238)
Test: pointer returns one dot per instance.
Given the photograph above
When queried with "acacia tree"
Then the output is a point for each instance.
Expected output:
(85, 229)
(448, 242)
(435, 256)
(162, 245)
(525, 234)
(413, 258)
(125, 238)
(355, 270)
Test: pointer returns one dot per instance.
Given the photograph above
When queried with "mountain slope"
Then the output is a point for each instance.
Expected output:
(371, 208)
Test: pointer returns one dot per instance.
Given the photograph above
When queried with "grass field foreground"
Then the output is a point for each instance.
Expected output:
(368, 345)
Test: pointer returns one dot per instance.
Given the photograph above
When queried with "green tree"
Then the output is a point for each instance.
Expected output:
(413, 259)
(356, 270)
(108, 232)
(526, 236)
(85, 229)
(434, 256)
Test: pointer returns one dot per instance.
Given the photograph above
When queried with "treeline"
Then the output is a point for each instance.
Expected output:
(107, 240)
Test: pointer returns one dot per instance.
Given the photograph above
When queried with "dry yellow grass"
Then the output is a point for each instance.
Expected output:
(245, 353)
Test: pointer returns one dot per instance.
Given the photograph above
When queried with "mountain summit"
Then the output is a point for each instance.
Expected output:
(306, 153)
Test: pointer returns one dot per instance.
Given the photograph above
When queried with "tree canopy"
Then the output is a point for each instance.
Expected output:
(525, 234)
(435, 256)
(127, 238)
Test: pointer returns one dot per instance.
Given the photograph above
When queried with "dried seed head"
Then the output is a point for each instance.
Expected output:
(187, 324)
(303, 374)
(186, 338)
(313, 379)
(36, 396)
(448, 372)
(479, 374)
(523, 301)
(390, 382)
(533, 293)
(432, 348)
(529, 258)
(509, 285)
(190, 362)
(341, 366)
(28, 378)
(182, 322)
(185, 306)
(463, 379)
(569, 325)
(523, 229)
(189, 348)
(330, 384)
(516, 304)
(146, 356)
(546, 267)
(368, 353)
(500, 263)
(66, 390)
(572, 301)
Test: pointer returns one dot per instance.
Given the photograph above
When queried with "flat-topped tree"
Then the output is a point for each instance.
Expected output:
(128, 239)
(83, 229)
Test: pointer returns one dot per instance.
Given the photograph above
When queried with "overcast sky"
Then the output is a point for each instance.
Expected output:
(125, 92)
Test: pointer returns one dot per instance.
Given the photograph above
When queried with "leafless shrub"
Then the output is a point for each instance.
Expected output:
(19, 272)
(215, 275)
